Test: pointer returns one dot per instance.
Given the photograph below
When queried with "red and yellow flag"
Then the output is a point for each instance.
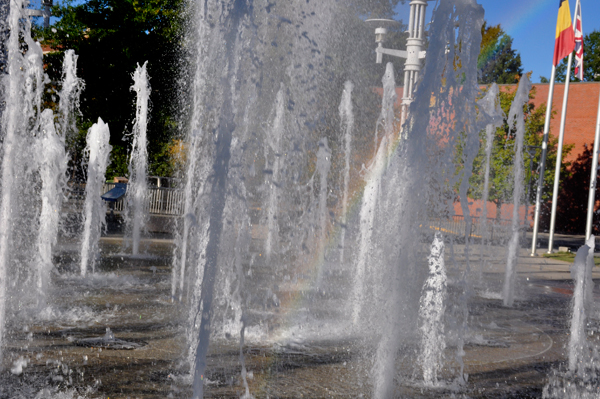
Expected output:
(565, 37)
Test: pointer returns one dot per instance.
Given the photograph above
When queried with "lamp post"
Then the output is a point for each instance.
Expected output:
(47, 5)
(414, 48)
(44, 12)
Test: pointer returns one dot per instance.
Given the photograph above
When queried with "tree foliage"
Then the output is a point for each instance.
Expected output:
(573, 197)
(111, 37)
(591, 61)
(502, 160)
(3, 36)
(498, 62)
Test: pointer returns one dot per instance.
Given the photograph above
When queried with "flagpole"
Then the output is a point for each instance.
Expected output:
(561, 136)
(594, 173)
(563, 119)
(538, 195)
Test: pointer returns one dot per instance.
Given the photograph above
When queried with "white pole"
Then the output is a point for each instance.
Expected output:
(538, 196)
(406, 94)
(594, 173)
(561, 136)
(563, 119)
(414, 46)
(47, 6)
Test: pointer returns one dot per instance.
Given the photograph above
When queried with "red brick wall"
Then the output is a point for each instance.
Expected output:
(580, 127)
(582, 110)
(506, 211)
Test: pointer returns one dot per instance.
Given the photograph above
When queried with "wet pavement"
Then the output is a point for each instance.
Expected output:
(509, 352)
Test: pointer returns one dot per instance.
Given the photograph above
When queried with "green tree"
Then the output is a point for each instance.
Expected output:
(497, 62)
(573, 197)
(111, 37)
(591, 60)
(502, 160)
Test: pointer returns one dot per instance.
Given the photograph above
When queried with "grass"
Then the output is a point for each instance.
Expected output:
(568, 257)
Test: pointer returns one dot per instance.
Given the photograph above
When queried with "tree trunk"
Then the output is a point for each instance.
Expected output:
(498, 203)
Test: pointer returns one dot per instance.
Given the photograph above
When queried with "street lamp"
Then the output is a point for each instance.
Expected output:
(414, 48)
(381, 25)
(45, 12)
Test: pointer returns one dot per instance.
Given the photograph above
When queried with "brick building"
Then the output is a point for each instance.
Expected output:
(582, 109)
(580, 129)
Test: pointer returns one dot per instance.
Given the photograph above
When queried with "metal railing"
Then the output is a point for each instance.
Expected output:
(161, 200)
(170, 202)
(165, 201)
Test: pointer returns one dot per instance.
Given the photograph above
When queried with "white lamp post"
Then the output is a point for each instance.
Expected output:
(414, 48)
(46, 4)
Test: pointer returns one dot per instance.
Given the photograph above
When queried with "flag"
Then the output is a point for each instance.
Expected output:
(578, 43)
(565, 37)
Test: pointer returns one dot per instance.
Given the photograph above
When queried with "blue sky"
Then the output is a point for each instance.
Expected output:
(532, 25)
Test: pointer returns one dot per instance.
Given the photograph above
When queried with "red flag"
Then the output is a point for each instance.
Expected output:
(578, 43)
(565, 37)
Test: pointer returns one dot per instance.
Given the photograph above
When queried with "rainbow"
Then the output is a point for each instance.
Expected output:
(517, 24)
(519, 21)
(529, 11)
(311, 266)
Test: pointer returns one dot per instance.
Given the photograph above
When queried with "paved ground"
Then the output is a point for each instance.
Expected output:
(536, 267)
(540, 267)
(508, 352)
(560, 240)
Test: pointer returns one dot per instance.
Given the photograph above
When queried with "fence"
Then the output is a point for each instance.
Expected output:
(161, 200)
(170, 201)
(166, 201)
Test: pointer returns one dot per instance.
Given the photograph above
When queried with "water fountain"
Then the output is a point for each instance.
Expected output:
(516, 119)
(52, 170)
(322, 168)
(491, 106)
(432, 307)
(20, 119)
(137, 209)
(68, 104)
(347, 126)
(94, 209)
(272, 147)
(582, 301)
(289, 276)
(580, 378)
(371, 194)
